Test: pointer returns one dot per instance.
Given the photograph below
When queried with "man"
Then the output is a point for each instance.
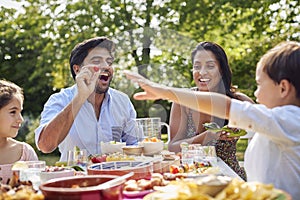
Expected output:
(90, 111)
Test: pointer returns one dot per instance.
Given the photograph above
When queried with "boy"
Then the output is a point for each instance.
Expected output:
(273, 156)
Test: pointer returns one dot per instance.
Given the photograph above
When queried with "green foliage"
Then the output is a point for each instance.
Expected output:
(153, 37)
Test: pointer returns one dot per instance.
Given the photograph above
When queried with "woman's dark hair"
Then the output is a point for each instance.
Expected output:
(7, 91)
(82, 49)
(221, 56)
(283, 62)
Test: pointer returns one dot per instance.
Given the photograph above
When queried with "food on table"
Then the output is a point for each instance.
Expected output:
(111, 147)
(152, 139)
(144, 184)
(167, 155)
(183, 189)
(203, 167)
(110, 157)
(97, 158)
(250, 190)
(52, 172)
(61, 163)
(54, 169)
(17, 189)
(19, 165)
(233, 132)
(152, 146)
(77, 168)
(118, 157)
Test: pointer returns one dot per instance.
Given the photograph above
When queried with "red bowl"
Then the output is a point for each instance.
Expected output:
(120, 168)
(61, 188)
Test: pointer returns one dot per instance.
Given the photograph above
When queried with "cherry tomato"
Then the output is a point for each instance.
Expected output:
(96, 69)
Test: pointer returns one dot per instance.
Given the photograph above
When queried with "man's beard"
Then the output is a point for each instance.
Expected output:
(100, 90)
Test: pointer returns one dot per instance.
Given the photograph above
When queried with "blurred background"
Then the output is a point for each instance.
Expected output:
(153, 37)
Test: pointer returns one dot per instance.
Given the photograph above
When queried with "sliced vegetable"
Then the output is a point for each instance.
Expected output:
(77, 168)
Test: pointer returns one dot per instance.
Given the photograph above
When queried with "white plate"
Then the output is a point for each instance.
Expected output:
(136, 193)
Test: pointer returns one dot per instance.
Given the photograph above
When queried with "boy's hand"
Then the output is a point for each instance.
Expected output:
(152, 91)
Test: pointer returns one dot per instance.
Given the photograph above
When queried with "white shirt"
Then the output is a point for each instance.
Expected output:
(273, 155)
(117, 114)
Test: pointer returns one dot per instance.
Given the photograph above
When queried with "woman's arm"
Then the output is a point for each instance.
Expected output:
(178, 124)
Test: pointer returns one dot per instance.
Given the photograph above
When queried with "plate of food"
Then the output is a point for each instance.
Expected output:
(140, 188)
(232, 132)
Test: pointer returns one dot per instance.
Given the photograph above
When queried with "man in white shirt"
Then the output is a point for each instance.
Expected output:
(90, 111)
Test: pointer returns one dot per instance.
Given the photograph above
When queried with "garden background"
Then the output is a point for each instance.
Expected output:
(154, 37)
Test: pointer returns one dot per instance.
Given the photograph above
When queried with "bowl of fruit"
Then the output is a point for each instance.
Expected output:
(111, 147)
(152, 146)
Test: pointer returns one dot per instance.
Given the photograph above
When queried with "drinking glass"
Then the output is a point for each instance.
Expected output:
(31, 171)
(78, 158)
(206, 153)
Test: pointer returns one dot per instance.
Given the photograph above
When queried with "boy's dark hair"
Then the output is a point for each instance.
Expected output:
(283, 62)
(82, 49)
(7, 91)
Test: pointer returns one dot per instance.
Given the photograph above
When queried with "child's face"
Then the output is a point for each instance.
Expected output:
(11, 118)
(267, 92)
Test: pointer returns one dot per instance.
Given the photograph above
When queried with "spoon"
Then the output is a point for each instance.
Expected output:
(114, 181)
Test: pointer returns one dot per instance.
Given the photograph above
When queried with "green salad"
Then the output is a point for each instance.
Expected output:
(213, 127)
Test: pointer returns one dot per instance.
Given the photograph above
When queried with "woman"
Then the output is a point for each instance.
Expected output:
(211, 72)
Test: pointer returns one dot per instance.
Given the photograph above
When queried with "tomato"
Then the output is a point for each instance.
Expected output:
(174, 169)
(98, 159)
(96, 69)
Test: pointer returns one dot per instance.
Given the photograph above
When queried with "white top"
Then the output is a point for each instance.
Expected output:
(117, 115)
(273, 155)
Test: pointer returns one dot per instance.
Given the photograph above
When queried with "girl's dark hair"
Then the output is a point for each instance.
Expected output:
(221, 56)
(82, 49)
(7, 91)
(283, 62)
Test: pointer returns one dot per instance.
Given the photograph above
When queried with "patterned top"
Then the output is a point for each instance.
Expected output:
(28, 154)
(225, 149)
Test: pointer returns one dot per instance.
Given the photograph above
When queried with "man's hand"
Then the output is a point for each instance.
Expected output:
(87, 79)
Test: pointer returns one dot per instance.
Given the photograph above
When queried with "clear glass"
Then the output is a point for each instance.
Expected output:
(32, 172)
(148, 128)
(78, 158)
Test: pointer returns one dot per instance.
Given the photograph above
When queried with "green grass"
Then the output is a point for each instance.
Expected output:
(240, 148)
(50, 159)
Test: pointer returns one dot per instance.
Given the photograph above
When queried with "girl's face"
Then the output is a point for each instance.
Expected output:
(11, 118)
(267, 92)
(206, 71)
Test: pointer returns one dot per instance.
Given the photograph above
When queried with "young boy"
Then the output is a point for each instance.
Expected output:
(273, 155)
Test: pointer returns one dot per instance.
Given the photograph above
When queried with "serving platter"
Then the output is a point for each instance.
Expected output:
(142, 170)
(136, 194)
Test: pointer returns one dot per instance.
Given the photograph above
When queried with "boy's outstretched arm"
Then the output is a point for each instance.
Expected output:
(207, 102)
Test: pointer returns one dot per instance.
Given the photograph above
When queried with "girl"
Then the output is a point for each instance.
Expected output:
(11, 105)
